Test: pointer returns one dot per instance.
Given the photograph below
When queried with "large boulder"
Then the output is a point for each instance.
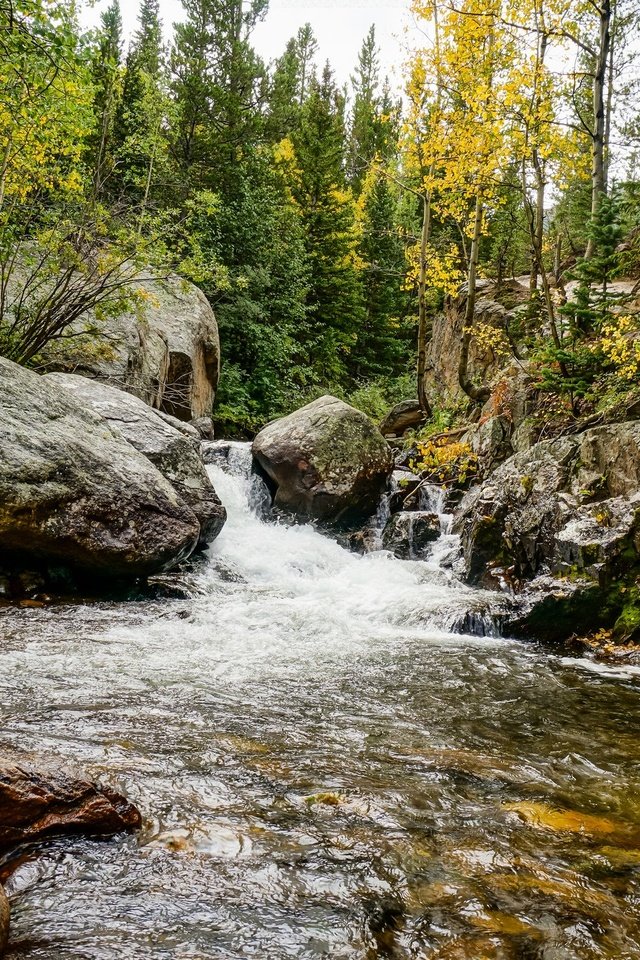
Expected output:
(75, 493)
(175, 453)
(327, 461)
(167, 352)
(561, 521)
(36, 804)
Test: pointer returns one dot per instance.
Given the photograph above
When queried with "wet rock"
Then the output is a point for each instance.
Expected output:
(175, 454)
(406, 415)
(327, 461)
(75, 494)
(168, 354)
(36, 804)
(405, 491)
(409, 534)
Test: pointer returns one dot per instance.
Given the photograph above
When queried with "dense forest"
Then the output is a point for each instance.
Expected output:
(326, 224)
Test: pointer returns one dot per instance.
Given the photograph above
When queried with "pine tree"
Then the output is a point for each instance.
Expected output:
(107, 92)
(218, 84)
(381, 349)
(328, 215)
(138, 123)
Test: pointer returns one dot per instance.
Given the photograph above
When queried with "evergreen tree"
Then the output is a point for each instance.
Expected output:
(381, 349)
(328, 215)
(138, 123)
(218, 84)
(106, 81)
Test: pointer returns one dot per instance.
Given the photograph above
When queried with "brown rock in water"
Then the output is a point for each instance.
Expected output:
(36, 804)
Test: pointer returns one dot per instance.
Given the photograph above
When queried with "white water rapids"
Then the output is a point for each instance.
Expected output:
(325, 768)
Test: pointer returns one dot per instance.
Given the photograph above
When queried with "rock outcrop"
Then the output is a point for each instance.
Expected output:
(167, 353)
(36, 804)
(563, 520)
(496, 310)
(75, 494)
(327, 461)
(175, 453)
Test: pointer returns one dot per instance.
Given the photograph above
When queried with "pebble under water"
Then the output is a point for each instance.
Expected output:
(325, 769)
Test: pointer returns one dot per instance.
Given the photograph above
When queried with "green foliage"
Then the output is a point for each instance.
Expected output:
(376, 397)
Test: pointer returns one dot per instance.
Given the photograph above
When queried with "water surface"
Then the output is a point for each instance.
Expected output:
(325, 768)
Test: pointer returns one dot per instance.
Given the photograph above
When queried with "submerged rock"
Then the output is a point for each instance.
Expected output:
(36, 804)
(409, 534)
(75, 494)
(327, 461)
(175, 453)
(5, 918)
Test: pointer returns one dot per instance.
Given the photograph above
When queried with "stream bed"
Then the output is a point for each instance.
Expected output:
(325, 768)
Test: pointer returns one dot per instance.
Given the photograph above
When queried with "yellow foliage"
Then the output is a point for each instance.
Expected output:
(621, 346)
(445, 462)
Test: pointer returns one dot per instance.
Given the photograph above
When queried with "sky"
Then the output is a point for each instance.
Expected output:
(339, 26)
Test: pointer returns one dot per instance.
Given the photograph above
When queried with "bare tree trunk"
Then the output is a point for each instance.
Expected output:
(478, 394)
(423, 325)
(599, 146)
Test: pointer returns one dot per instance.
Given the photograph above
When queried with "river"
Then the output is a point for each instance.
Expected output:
(325, 768)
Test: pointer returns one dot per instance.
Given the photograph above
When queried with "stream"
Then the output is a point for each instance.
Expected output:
(326, 767)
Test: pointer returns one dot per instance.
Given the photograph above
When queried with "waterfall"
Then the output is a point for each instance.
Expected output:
(340, 595)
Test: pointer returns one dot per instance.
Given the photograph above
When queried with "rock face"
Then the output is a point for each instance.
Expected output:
(34, 804)
(175, 454)
(327, 461)
(76, 494)
(169, 355)
(404, 416)
(495, 309)
(566, 511)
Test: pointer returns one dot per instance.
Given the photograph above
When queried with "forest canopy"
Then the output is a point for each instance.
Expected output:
(327, 224)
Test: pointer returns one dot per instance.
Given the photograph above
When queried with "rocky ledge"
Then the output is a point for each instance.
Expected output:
(559, 526)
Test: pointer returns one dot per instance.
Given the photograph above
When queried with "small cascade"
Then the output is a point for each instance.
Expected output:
(433, 499)
(235, 458)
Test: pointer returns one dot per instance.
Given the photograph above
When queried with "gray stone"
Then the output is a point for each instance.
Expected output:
(565, 506)
(74, 492)
(203, 427)
(327, 460)
(176, 455)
